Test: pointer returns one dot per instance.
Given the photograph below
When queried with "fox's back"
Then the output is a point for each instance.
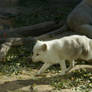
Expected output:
(71, 46)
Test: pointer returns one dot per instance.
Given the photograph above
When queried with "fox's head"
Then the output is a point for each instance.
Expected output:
(39, 51)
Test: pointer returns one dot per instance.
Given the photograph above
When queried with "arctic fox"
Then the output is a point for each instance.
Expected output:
(57, 51)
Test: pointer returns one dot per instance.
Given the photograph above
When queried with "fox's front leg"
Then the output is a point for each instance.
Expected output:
(43, 68)
(63, 67)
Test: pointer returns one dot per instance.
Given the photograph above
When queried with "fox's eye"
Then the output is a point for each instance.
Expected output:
(37, 54)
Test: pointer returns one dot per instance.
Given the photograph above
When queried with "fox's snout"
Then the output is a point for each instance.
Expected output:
(33, 59)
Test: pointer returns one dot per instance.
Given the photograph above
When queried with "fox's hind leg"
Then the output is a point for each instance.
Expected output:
(72, 64)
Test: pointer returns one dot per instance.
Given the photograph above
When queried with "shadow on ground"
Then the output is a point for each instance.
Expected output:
(17, 84)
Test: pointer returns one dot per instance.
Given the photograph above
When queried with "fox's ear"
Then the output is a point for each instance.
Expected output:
(44, 47)
(38, 41)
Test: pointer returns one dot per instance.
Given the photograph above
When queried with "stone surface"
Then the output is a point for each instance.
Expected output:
(43, 88)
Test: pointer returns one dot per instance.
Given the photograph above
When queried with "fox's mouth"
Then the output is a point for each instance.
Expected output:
(34, 60)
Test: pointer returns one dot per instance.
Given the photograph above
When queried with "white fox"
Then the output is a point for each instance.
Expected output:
(57, 51)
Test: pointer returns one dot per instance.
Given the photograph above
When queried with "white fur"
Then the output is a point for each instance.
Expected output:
(58, 50)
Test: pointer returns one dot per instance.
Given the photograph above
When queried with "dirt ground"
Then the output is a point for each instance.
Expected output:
(28, 82)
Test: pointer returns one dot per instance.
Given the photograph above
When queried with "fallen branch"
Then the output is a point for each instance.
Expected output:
(77, 67)
(62, 31)
(52, 34)
(33, 30)
(38, 29)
